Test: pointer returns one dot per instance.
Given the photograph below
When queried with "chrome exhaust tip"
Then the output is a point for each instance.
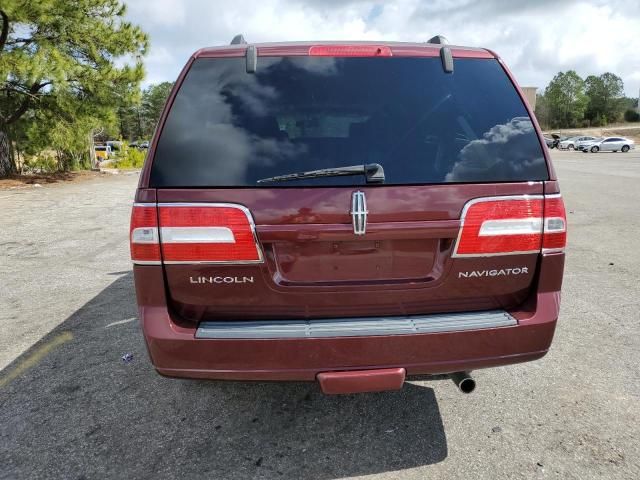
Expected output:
(463, 381)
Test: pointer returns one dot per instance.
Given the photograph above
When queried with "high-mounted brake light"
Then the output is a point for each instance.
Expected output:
(350, 51)
(144, 241)
(511, 225)
(207, 233)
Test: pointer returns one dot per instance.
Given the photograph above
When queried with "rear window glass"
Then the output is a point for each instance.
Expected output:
(227, 127)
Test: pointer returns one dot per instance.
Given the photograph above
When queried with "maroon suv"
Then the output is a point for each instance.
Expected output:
(347, 213)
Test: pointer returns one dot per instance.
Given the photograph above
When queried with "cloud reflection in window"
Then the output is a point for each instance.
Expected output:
(505, 150)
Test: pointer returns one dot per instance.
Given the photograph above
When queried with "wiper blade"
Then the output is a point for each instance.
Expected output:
(373, 171)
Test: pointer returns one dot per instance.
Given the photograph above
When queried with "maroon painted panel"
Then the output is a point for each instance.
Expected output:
(272, 296)
(175, 352)
(316, 267)
(285, 206)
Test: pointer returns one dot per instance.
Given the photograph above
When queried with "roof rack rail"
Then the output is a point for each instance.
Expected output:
(238, 40)
(446, 57)
(251, 56)
(445, 52)
(439, 40)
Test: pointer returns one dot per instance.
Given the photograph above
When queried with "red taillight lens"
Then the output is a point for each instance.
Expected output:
(512, 225)
(207, 233)
(501, 226)
(350, 51)
(143, 235)
(555, 224)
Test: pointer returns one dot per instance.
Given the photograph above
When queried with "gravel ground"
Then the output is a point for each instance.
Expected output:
(71, 408)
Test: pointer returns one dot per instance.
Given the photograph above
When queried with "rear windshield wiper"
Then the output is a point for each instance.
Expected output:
(373, 172)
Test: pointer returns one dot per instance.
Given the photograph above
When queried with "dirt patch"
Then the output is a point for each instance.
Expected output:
(30, 180)
(633, 134)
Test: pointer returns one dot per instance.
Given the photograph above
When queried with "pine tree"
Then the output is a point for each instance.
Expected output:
(60, 68)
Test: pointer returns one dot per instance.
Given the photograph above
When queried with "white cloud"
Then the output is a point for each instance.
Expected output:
(158, 61)
(536, 39)
(165, 13)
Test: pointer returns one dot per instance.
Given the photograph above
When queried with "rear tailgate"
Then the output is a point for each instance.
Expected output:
(237, 249)
(314, 266)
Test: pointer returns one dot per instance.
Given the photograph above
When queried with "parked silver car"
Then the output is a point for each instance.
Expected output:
(573, 143)
(609, 144)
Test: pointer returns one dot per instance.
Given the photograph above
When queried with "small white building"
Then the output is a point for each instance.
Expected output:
(530, 95)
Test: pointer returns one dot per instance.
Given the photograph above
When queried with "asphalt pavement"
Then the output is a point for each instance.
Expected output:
(71, 407)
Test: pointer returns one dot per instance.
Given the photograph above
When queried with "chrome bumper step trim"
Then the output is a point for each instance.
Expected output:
(356, 327)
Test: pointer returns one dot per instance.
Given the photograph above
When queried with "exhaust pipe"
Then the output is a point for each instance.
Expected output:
(463, 381)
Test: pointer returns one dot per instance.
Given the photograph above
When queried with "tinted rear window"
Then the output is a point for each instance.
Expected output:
(230, 128)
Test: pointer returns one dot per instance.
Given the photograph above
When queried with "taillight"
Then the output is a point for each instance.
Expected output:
(555, 224)
(511, 225)
(207, 233)
(144, 240)
(350, 51)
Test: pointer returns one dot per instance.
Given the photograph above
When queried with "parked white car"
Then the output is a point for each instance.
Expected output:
(609, 144)
(572, 143)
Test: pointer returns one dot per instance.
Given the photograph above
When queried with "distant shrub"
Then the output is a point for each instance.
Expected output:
(599, 121)
(40, 164)
(631, 116)
(131, 158)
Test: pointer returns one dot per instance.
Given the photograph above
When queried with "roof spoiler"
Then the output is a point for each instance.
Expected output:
(252, 55)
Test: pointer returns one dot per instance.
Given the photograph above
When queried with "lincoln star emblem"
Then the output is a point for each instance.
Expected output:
(359, 213)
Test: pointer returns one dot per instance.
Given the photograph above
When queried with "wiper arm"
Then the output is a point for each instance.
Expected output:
(373, 171)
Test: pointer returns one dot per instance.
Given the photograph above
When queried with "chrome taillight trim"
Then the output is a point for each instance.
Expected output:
(546, 251)
(146, 262)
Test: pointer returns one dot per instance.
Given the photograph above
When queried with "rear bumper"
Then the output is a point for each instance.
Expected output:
(176, 352)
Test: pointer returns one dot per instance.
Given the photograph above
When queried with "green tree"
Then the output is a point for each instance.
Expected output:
(61, 67)
(631, 116)
(65, 128)
(138, 121)
(153, 100)
(565, 100)
(130, 121)
(606, 94)
(629, 103)
(542, 110)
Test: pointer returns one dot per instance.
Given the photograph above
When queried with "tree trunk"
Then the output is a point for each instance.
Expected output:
(7, 166)
(92, 152)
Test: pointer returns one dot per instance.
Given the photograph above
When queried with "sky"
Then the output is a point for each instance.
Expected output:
(536, 38)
